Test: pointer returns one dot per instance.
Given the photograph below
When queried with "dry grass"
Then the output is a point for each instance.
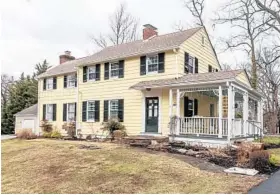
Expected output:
(49, 166)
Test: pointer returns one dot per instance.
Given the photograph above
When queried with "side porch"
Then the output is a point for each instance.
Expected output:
(233, 113)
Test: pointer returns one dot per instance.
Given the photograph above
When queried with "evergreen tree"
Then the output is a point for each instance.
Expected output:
(41, 68)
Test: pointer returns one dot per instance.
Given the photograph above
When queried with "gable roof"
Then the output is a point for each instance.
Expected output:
(32, 110)
(189, 79)
(140, 47)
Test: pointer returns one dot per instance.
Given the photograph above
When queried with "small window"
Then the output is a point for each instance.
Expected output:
(152, 64)
(113, 109)
(114, 70)
(49, 83)
(191, 65)
(91, 74)
(49, 112)
(90, 110)
(71, 80)
(203, 40)
(71, 112)
(190, 107)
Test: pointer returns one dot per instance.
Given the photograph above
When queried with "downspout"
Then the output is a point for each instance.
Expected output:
(175, 50)
(77, 99)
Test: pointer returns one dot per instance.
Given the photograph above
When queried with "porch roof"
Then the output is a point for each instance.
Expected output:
(189, 79)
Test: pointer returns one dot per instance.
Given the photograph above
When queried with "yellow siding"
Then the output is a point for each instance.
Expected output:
(242, 77)
(194, 47)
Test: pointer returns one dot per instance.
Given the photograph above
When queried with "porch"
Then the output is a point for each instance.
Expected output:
(238, 113)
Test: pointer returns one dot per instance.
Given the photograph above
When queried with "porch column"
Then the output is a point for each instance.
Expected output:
(220, 112)
(230, 114)
(170, 103)
(245, 113)
(260, 113)
(178, 111)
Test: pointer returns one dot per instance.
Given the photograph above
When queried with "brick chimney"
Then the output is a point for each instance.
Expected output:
(149, 31)
(66, 57)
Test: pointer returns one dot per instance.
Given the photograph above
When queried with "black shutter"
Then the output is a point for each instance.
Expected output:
(44, 84)
(85, 74)
(75, 112)
(196, 65)
(76, 80)
(121, 68)
(186, 63)
(64, 112)
(54, 82)
(217, 70)
(44, 111)
(54, 112)
(186, 106)
(97, 72)
(160, 62)
(120, 110)
(209, 68)
(195, 107)
(106, 71)
(142, 65)
(65, 81)
(84, 111)
(106, 111)
(97, 111)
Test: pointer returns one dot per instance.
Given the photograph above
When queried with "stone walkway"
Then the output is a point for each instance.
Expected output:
(270, 186)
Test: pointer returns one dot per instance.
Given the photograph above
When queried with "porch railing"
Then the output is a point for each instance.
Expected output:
(254, 127)
(200, 125)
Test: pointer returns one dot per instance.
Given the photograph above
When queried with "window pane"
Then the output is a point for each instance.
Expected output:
(90, 110)
(50, 83)
(91, 72)
(114, 69)
(90, 115)
(152, 63)
(114, 109)
(49, 112)
(191, 64)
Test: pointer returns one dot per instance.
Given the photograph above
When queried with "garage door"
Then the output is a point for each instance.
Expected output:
(28, 124)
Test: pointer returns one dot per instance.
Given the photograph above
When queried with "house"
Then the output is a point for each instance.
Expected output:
(146, 82)
(27, 119)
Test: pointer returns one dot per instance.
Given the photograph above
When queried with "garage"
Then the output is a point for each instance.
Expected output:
(27, 119)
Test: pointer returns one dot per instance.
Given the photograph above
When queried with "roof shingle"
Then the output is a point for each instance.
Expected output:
(32, 110)
(135, 48)
(188, 79)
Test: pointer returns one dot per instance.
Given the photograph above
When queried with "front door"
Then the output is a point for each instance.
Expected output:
(152, 114)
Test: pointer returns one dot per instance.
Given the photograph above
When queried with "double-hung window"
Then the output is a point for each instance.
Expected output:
(91, 74)
(71, 112)
(49, 112)
(114, 70)
(49, 83)
(190, 64)
(71, 80)
(152, 64)
(113, 109)
(191, 107)
(90, 110)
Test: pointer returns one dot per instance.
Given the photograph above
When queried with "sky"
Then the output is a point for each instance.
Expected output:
(34, 30)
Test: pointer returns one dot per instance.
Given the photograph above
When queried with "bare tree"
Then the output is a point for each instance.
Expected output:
(6, 81)
(271, 10)
(123, 28)
(269, 83)
(243, 16)
(196, 7)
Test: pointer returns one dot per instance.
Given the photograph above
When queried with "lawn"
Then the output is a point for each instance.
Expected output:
(52, 166)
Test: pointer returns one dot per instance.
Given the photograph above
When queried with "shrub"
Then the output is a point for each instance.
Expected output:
(46, 126)
(88, 137)
(26, 134)
(112, 125)
(47, 134)
(70, 127)
(119, 134)
(56, 134)
(259, 160)
(273, 160)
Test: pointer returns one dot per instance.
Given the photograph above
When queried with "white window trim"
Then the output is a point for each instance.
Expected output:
(88, 73)
(46, 114)
(69, 81)
(147, 66)
(192, 66)
(48, 79)
(67, 107)
(109, 107)
(110, 69)
(91, 120)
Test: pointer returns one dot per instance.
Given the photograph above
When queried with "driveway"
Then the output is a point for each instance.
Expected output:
(5, 137)
(270, 186)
